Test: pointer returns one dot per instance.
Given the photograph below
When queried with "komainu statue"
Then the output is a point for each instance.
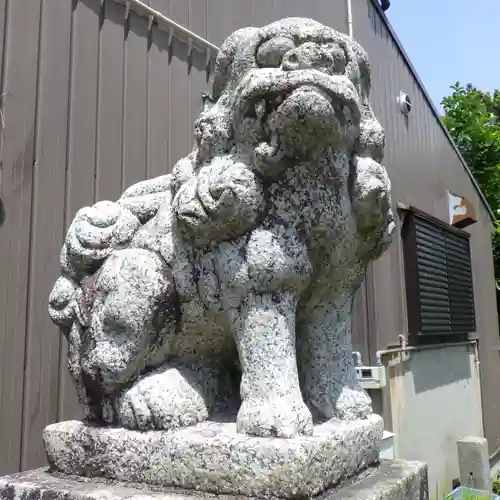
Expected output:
(231, 279)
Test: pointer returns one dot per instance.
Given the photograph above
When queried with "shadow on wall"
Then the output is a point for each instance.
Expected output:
(175, 47)
(452, 370)
(2, 213)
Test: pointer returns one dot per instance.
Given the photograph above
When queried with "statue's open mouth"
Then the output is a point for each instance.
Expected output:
(277, 99)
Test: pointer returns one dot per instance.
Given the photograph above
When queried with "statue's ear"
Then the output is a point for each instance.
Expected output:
(240, 46)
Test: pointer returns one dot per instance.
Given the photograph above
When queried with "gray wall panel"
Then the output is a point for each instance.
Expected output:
(41, 382)
(20, 85)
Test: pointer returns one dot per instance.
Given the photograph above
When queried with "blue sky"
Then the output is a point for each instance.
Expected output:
(450, 40)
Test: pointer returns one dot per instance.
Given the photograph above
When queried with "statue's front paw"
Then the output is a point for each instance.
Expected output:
(275, 416)
(161, 401)
(353, 404)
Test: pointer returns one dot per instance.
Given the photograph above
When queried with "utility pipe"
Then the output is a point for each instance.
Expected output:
(409, 349)
(349, 17)
(358, 358)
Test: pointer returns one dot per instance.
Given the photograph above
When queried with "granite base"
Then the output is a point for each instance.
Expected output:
(212, 457)
(390, 480)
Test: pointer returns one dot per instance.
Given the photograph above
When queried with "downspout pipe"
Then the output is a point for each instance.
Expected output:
(349, 18)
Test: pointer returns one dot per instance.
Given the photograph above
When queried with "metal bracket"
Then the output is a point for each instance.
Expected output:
(170, 36)
(127, 10)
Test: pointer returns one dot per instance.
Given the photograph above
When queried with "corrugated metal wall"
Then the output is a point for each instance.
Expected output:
(225, 16)
(422, 165)
(90, 104)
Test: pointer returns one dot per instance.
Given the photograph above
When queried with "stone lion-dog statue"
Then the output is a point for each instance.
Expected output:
(232, 278)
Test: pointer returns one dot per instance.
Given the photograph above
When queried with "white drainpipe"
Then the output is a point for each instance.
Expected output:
(349, 17)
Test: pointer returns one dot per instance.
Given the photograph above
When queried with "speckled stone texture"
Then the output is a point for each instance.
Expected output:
(230, 281)
(214, 457)
(391, 480)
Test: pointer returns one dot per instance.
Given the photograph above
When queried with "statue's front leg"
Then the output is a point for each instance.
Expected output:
(327, 371)
(272, 404)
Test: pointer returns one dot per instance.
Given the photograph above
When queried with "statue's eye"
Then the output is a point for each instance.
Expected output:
(337, 55)
(328, 57)
(270, 53)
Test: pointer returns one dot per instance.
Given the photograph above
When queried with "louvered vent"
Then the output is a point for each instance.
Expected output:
(438, 278)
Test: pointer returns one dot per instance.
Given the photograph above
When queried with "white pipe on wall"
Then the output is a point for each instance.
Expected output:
(349, 17)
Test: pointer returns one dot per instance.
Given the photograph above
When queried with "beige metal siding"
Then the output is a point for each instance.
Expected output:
(18, 153)
(93, 103)
(423, 164)
(81, 150)
(41, 376)
(226, 16)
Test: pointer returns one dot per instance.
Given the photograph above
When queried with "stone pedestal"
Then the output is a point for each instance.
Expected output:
(391, 480)
(213, 457)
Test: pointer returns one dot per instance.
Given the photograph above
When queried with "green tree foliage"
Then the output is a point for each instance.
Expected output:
(473, 119)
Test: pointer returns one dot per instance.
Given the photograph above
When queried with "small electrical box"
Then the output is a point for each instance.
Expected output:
(371, 377)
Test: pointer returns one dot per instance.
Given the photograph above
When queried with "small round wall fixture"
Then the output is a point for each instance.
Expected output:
(404, 103)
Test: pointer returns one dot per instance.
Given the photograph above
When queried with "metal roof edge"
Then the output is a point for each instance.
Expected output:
(433, 107)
